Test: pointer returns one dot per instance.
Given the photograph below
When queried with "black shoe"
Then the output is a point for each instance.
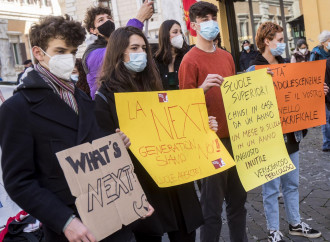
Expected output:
(325, 150)
(304, 230)
(275, 236)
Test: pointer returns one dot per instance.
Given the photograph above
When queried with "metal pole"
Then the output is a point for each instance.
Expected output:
(284, 29)
(252, 24)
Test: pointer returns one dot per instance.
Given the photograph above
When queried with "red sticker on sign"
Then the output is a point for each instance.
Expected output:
(162, 97)
(218, 163)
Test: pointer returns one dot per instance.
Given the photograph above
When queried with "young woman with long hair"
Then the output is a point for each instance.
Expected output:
(172, 48)
(129, 67)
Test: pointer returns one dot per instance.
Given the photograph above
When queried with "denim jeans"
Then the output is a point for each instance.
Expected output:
(225, 185)
(326, 131)
(270, 191)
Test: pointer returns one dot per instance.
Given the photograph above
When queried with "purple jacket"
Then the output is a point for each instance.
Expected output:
(94, 60)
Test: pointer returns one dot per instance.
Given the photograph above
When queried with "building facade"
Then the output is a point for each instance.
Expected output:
(16, 18)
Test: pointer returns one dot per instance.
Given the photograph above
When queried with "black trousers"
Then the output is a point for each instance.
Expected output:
(225, 185)
(125, 234)
(174, 236)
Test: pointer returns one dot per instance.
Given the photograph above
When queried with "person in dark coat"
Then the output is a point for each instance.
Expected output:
(248, 54)
(129, 67)
(301, 53)
(172, 48)
(47, 114)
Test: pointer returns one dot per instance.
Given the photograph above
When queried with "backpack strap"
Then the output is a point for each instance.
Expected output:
(102, 96)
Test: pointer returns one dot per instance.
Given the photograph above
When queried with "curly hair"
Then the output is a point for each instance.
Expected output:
(91, 14)
(59, 27)
(201, 9)
(266, 30)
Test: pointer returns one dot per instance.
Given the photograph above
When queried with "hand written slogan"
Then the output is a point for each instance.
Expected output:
(299, 93)
(170, 135)
(255, 128)
(101, 176)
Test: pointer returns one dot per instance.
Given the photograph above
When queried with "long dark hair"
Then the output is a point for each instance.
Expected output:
(82, 81)
(164, 53)
(116, 76)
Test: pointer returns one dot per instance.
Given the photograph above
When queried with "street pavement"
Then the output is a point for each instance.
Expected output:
(314, 196)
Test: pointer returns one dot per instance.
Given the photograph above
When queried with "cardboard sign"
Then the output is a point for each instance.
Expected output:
(255, 128)
(299, 93)
(101, 176)
(170, 135)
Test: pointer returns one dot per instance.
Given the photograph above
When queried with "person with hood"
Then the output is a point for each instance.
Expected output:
(322, 52)
(98, 21)
(270, 41)
(48, 114)
(248, 54)
(172, 48)
(301, 53)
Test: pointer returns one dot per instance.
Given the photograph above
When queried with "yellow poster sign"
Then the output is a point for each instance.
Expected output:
(255, 128)
(170, 135)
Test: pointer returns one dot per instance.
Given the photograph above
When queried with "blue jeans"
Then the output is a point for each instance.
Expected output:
(326, 131)
(271, 190)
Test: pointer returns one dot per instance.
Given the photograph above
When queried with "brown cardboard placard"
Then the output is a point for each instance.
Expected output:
(101, 176)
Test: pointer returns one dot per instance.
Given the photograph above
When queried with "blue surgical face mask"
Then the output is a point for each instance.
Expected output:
(246, 47)
(137, 62)
(279, 50)
(328, 46)
(74, 77)
(209, 30)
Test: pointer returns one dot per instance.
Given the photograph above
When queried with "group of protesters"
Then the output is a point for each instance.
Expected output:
(48, 114)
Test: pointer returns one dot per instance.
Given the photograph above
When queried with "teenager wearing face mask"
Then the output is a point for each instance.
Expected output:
(270, 41)
(248, 54)
(204, 66)
(172, 48)
(48, 114)
(98, 21)
(322, 52)
(129, 67)
(301, 53)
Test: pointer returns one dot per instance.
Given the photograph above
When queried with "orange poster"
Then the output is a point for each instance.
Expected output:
(299, 94)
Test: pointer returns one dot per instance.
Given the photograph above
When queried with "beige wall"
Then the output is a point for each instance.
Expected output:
(22, 27)
(316, 18)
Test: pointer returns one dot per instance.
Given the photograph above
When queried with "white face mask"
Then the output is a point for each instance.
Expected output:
(303, 51)
(246, 48)
(61, 65)
(177, 41)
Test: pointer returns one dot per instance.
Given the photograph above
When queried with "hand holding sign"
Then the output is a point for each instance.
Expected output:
(101, 176)
(76, 231)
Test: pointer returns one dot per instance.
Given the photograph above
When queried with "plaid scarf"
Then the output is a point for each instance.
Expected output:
(65, 89)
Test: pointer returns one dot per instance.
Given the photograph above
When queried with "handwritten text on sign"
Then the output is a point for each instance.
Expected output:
(255, 128)
(299, 93)
(101, 176)
(170, 135)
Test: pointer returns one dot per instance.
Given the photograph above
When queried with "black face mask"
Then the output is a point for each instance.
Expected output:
(106, 28)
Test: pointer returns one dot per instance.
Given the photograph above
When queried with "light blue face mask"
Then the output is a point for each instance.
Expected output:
(137, 62)
(209, 30)
(328, 46)
(279, 50)
(74, 77)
